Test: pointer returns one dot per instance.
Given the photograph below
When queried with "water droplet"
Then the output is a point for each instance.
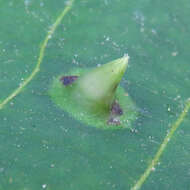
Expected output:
(153, 169)
(44, 186)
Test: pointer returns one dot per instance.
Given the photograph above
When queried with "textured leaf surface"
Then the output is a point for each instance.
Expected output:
(43, 147)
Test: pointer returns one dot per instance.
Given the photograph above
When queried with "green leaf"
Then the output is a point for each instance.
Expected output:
(91, 97)
(43, 146)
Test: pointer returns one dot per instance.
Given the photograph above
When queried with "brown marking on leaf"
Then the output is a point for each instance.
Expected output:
(116, 109)
(68, 80)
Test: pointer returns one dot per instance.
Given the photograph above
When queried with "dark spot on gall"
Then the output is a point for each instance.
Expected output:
(68, 80)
